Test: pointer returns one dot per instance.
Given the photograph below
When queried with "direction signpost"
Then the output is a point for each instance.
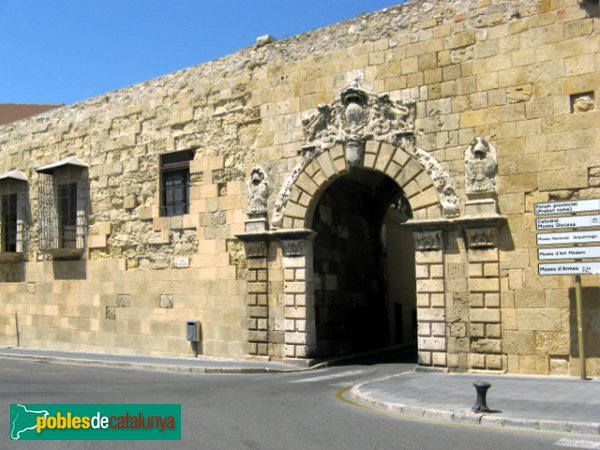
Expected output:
(570, 237)
(569, 253)
(578, 251)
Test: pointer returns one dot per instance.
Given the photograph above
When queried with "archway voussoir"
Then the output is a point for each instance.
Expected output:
(319, 178)
(372, 148)
(339, 159)
(401, 157)
(296, 210)
(305, 199)
(369, 160)
(312, 168)
(409, 172)
(424, 181)
(295, 194)
(424, 199)
(392, 170)
(411, 189)
(327, 166)
(306, 183)
(386, 152)
(287, 222)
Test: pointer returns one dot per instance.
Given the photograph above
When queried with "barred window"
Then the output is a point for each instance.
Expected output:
(175, 182)
(63, 203)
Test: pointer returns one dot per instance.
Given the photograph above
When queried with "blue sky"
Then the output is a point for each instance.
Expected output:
(63, 51)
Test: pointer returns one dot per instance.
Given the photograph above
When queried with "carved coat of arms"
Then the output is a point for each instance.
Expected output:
(356, 117)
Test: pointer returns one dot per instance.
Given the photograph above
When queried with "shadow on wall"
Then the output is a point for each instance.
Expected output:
(592, 7)
(12, 272)
(590, 303)
(69, 270)
(505, 239)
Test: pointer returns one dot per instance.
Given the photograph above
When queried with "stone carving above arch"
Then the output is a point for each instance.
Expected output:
(357, 117)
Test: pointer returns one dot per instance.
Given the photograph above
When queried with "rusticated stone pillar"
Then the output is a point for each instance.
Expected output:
(431, 300)
(257, 318)
(266, 335)
(485, 328)
(298, 288)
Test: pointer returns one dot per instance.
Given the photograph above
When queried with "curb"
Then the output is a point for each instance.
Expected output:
(467, 416)
(149, 366)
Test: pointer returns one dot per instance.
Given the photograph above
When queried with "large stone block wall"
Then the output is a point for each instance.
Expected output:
(99, 306)
(523, 75)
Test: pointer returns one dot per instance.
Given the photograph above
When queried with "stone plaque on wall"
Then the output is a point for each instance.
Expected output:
(293, 248)
(428, 240)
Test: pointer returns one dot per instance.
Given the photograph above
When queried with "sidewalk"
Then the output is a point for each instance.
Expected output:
(527, 402)
(201, 364)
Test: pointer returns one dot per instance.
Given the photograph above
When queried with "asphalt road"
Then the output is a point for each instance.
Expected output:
(272, 411)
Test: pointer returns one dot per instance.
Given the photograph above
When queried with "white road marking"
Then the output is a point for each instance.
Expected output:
(332, 376)
(576, 443)
(343, 384)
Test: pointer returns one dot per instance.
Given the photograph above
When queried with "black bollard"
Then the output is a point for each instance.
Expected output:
(482, 388)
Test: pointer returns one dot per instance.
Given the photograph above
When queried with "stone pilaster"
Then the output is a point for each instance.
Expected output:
(485, 328)
(300, 331)
(431, 312)
(257, 318)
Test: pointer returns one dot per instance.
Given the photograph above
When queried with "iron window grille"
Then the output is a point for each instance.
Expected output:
(175, 182)
(63, 207)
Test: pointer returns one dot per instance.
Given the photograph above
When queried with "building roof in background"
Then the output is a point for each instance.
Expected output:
(11, 112)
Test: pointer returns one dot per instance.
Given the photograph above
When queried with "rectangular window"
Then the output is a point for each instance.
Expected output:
(9, 222)
(63, 201)
(175, 182)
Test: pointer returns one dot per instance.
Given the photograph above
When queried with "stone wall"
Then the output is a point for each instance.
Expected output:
(523, 75)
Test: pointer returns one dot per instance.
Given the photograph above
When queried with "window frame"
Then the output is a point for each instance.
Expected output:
(53, 178)
(9, 212)
(13, 184)
(175, 182)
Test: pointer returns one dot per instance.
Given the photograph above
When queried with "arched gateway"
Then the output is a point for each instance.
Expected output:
(314, 285)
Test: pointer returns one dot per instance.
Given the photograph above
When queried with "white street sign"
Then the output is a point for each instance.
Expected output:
(182, 262)
(589, 268)
(555, 223)
(569, 253)
(569, 237)
(542, 209)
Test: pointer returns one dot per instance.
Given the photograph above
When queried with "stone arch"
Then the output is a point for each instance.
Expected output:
(426, 184)
(430, 193)
(360, 130)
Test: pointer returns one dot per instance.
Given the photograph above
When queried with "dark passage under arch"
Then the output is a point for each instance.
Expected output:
(356, 306)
